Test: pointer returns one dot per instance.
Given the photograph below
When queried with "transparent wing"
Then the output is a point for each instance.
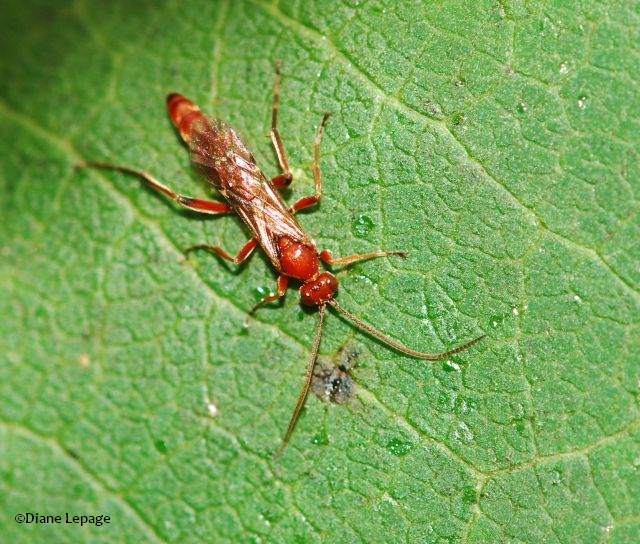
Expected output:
(214, 145)
(219, 151)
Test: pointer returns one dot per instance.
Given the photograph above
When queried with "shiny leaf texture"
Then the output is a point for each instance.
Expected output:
(497, 142)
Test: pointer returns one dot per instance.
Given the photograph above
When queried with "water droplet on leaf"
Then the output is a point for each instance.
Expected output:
(362, 225)
(496, 320)
(260, 292)
(320, 438)
(397, 447)
(450, 366)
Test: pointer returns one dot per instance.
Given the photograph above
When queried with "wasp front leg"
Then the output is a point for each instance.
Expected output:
(283, 284)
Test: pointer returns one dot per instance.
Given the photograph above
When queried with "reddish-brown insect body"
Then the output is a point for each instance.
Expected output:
(319, 289)
(231, 168)
(298, 260)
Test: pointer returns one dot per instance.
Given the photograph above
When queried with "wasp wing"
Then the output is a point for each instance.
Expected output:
(218, 150)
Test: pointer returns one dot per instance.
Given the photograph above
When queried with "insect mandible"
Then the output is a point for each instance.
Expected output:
(231, 168)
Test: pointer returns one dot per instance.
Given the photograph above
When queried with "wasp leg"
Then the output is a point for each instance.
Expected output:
(194, 204)
(241, 257)
(283, 283)
(325, 256)
(284, 179)
(309, 201)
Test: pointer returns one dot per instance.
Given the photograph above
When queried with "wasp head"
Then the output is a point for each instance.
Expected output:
(318, 290)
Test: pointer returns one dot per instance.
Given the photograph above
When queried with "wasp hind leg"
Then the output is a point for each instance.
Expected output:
(194, 204)
(244, 253)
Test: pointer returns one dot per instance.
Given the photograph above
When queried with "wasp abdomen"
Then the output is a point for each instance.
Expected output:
(183, 114)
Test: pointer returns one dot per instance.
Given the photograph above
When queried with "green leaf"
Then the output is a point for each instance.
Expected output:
(496, 141)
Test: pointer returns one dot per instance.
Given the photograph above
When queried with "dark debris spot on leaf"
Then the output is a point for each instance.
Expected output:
(332, 381)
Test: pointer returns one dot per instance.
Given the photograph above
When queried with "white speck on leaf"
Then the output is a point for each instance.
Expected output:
(463, 432)
(212, 409)
(454, 366)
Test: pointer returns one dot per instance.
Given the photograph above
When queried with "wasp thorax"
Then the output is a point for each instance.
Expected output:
(297, 260)
(319, 290)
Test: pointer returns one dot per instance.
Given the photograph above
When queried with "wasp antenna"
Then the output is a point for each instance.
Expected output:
(397, 345)
(307, 382)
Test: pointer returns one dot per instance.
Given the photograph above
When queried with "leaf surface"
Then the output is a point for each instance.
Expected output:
(497, 142)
